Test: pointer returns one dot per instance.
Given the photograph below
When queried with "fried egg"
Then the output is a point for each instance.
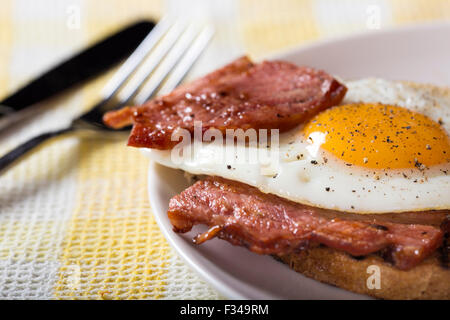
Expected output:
(386, 148)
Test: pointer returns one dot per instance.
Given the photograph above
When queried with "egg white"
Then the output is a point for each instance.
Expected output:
(307, 174)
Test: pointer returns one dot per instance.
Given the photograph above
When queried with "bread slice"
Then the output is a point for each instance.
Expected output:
(429, 280)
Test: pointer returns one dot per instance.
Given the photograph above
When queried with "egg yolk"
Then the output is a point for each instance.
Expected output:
(381, 136)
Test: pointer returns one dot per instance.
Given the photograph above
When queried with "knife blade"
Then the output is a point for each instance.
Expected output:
(80, 67)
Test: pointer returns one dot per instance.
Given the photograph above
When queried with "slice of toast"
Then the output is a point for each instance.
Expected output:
(429, 280)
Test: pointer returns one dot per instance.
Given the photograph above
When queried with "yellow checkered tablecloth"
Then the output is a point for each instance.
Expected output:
(75, 221)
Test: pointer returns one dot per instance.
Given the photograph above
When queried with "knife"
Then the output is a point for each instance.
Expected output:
(80, 67)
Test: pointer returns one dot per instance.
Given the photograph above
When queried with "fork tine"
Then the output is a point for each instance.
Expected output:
(153, 60)
(136, 58)
(150, 87)
(188, 60)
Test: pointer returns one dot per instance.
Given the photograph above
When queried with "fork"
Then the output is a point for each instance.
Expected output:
(157, 66)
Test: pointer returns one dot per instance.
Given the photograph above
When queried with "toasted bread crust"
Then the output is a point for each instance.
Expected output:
(429, 280)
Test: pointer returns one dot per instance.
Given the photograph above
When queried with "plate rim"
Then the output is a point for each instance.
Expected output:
(222, 287)
(315, 44)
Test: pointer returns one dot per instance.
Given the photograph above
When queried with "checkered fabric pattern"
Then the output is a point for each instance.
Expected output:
(75, 221)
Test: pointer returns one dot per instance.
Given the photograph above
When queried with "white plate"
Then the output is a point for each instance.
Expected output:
(419, 53)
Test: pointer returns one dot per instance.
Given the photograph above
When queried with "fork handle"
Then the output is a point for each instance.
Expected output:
(14, 156)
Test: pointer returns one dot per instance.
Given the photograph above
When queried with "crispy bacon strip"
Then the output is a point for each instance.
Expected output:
(268, 224)
(268, 95)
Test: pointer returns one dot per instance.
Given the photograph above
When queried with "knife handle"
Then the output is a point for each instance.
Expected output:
(82, 66)
(12, 156)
